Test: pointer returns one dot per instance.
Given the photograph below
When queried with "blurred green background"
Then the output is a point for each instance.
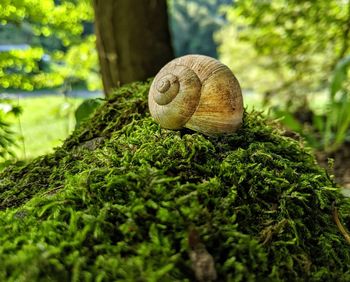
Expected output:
(291, 58)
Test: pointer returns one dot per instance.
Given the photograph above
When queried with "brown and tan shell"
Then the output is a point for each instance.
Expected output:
(196, 92)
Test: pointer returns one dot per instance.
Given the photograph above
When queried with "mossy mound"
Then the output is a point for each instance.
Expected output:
(117, 200)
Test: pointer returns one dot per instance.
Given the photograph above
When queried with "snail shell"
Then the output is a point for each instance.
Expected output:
(196, 92)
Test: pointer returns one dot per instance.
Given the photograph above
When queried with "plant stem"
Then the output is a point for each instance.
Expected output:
(338, 223)
(21, 132)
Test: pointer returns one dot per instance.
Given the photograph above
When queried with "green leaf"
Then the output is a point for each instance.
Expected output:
(289, 120)
(86, 109)
(339, 76)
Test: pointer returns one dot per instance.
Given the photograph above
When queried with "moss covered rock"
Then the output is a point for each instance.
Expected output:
(122, 197)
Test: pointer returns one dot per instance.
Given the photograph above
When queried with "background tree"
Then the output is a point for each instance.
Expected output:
(133, 39)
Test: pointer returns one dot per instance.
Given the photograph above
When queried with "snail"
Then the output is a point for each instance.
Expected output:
(196, 92)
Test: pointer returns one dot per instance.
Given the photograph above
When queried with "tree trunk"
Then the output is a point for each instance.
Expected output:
(133, 39)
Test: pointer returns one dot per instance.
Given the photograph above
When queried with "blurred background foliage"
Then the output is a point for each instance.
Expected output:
(287, 51)
(193, 24)
(291, 57)
(286, 48)
(43, 42)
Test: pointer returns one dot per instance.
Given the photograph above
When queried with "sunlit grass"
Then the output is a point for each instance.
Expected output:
(45, 122)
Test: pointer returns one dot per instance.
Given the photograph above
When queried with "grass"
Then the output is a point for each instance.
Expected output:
(44, 124)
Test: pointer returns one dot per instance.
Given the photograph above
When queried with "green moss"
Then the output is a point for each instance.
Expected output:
(117, 201)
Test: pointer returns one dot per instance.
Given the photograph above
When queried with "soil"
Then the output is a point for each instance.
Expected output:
(341, 167)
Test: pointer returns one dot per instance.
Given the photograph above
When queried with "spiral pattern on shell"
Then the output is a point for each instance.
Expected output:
(197, 92)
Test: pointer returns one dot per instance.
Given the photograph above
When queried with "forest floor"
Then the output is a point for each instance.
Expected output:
(341, 166)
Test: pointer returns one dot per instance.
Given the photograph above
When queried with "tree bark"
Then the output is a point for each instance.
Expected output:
(133, 39)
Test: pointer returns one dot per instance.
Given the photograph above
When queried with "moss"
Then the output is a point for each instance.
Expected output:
(117, 201)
